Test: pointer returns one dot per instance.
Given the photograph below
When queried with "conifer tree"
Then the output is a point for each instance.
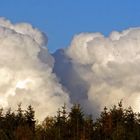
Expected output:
(76, 122)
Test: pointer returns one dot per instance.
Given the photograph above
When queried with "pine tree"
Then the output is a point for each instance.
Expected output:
(61, 123)
(30, 121)
(76, 122)
(48, 127)
(88, 128)
(130, 122)
(9, 124)
(20, 116)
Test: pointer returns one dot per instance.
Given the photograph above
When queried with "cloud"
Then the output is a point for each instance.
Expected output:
(95, 70)
(107, 69)
(26, 70)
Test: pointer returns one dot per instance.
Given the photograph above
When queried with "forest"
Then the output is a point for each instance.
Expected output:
(116, 123)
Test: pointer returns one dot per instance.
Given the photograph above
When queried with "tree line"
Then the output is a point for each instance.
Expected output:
(116, 123)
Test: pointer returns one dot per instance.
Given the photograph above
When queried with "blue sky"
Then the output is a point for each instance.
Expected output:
(62, 19)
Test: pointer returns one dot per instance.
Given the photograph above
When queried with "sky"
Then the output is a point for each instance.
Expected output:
(94, 69)
(62, 19)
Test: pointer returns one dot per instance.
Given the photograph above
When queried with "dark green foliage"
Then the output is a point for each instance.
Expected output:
(18, 125)
(116, 123)
(76, 122)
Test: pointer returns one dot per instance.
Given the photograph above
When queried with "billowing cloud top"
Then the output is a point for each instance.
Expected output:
(110, 66)
(26, 70)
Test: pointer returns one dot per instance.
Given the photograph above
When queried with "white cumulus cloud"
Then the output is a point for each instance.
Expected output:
(95, 70)
(110, 67)
(26, 70)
